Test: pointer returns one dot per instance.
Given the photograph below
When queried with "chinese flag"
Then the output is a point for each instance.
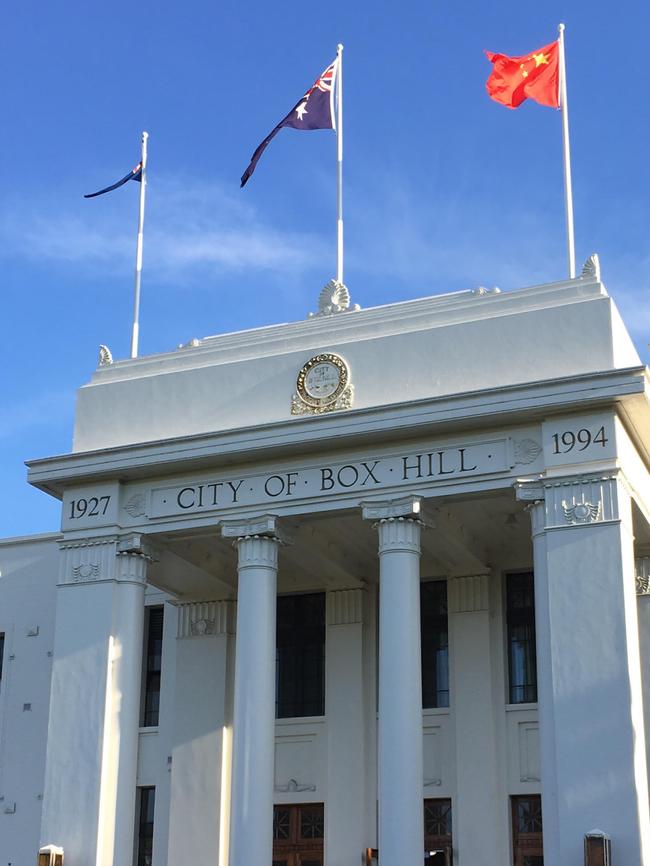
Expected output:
(533, 76)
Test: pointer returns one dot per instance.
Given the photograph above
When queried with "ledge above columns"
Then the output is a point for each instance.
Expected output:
(406, 507)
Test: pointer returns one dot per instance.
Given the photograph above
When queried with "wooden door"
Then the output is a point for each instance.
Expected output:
(298, 835)
(438, 840)
(527, 830)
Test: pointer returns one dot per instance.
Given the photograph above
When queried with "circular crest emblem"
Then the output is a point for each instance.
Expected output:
(322, 380)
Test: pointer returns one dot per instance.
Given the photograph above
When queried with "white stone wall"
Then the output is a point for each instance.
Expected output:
(28, 576)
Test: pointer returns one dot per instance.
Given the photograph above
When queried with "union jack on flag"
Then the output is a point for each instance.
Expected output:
(315, 110)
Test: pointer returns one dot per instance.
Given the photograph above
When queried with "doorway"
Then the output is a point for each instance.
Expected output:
(298, 833)
(527, 830)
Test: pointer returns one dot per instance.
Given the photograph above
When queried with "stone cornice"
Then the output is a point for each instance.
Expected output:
(435, 311)
(512, 404)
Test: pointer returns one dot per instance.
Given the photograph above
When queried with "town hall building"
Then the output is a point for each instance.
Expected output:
(368, 588)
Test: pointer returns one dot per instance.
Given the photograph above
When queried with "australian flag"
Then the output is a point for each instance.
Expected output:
(134, 174)
(315, 110)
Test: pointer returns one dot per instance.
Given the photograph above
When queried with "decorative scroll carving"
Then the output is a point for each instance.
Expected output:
(202, 626)
(136, 505)
(86, 560)
(293, 787)
(85, 571)
(428, 783)
(105, 357)
(481, 290)
(591, 268)
(205, 618)
(574, 501)
(344, 401)
(581, 512)
(526, 451)
(334, 298)
(642, 567)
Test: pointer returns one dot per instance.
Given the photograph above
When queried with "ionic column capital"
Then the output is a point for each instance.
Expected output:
(399, 534)
(257, 540)
(398, 521)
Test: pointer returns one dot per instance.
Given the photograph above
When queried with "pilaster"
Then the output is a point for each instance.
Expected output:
(588, 664)
(476, 818)
(205, 618)
(95, 698)
(346, 733)
(200, 796)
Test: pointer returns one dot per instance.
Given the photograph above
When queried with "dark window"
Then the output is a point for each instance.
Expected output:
(437, 833)
(435, 644)
(298, 833)
(520, 616)
(2, 653)
(300, 656)
(145, 826)
(527, 831)
(152, 666)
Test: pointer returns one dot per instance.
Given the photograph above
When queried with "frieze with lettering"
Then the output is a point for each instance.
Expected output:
(329, 479)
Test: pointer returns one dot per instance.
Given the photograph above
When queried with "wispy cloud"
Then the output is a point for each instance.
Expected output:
(189, 227)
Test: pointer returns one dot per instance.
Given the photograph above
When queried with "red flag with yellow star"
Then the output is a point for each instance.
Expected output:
(533, 76)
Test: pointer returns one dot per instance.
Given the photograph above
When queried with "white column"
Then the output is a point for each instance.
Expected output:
(401, 830)
(592, 740)
(477, 830)
(132, 559)
(95, 701)
(251, 828)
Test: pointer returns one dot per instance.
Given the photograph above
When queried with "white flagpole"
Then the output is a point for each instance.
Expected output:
(339, 164)
(138, 253)
(568, 194)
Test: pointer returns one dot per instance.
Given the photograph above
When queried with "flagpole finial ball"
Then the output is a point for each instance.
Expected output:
(145, 135)
(339, 47)
(560, 28)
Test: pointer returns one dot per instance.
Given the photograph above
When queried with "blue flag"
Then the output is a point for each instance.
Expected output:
(314, 111)
(134, 174)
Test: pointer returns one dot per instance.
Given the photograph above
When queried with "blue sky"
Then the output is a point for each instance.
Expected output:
(444, 189)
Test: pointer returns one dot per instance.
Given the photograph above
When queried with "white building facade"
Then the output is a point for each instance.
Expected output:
(371, 586)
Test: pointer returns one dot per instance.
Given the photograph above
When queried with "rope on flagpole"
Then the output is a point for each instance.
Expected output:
(568, 193)
(339, 164)
(138, 253)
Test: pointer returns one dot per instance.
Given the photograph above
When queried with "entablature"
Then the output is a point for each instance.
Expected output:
(626, 390)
